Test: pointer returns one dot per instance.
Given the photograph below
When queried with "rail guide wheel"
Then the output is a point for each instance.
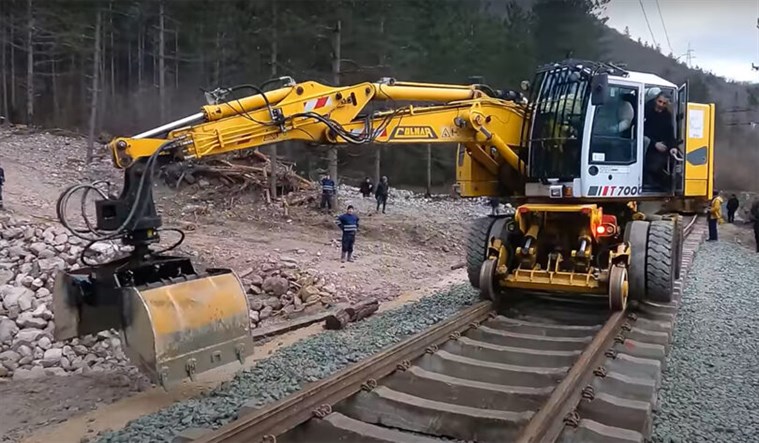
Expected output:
(487, 283)
(618, 288)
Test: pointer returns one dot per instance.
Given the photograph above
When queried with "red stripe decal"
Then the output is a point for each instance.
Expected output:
(321, 102)
(606, 188)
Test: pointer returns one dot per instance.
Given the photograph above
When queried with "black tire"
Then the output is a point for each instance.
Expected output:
(660, 266)
(636, 232)
(476, 246)
(678, 245)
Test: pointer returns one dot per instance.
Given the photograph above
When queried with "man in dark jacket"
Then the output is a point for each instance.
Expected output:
(381, 193)
(348, 223)
(2, 183)
(366, 187)
(328, 190)
(659, 137)
(732, 207)
(754, 216)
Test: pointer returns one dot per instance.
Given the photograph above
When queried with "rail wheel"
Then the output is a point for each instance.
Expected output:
(618, 288)
(636, 232)
(660, 261)
(487, 283)
(476, 248)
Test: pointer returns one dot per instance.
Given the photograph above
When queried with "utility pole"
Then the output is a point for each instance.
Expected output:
(273, 61)
(689, 56)
(336, 55)
(753, 66)
(378, 147)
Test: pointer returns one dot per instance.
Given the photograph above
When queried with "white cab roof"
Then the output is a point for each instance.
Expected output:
(645, 78)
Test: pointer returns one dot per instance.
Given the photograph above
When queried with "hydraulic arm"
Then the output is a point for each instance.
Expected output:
(178, 322)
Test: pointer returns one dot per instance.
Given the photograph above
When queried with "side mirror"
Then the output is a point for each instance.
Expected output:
(599, 89)
(525, 85)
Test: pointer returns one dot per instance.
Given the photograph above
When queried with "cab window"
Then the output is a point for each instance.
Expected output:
(614, 136)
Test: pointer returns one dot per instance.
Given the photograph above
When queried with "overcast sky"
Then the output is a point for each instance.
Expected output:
(721, 33)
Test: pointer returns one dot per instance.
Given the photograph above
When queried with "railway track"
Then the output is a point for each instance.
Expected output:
(545, 369)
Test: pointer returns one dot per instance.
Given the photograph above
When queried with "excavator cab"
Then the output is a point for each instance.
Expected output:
(588, 136)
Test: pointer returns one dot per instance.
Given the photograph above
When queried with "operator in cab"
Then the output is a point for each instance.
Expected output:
(348, 223)
(658, 139)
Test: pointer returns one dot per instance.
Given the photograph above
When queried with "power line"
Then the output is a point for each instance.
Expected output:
(647, 23)
(666, 34)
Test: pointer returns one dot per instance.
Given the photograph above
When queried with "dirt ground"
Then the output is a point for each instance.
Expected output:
(410, 248)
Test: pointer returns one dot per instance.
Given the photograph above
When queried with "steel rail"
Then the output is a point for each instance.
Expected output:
(546, 425)
(317, 398)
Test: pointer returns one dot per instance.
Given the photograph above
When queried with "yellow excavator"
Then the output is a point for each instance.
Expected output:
(569, 149)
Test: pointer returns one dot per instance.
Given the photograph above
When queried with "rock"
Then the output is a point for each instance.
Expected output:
(58, 372)
(313, 298)
(287, 259)
(256, 303)
(286, 300)
(51, 264)
(16, 251)
(256, 279)
(28, 320)
(5, 276)
(42, 312)
(10, 356)
(29, 374)
(254, 316)
(266, 312)
(44, 343)
(80, 350)
(273, 302)
(61, 239)
(330, 287)
(8, 329)
(37, 248)
(42, 292)
(37, 283)
(276, 285)
(253, 289)
(12, 296)
(25, 301)
(28, 336)
(24, 351)
(52, 357)
(307, 292)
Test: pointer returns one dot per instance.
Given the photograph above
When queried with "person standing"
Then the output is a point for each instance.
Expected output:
(328, 190)
(715, 216)
(381, 193)
(366, 187)
(2, 183)
(754, 216)
(348, 223)
(732, 207)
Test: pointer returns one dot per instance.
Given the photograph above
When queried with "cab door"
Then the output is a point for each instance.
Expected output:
(681, 117)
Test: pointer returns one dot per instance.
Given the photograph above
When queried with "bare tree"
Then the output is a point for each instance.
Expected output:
(6, 109)
(29, 64)
(336, 46)
(273, 61)
(162, 59)
(95, 86)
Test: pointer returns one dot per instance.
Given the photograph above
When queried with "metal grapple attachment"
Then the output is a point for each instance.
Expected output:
(175, 323)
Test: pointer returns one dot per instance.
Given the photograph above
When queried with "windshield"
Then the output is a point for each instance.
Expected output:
(556, 136)
(613, 139)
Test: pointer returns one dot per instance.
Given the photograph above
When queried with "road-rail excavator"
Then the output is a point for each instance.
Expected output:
(556, 148)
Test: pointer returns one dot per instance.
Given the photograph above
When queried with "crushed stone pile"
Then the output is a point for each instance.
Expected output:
(30, 256)
(279, 289)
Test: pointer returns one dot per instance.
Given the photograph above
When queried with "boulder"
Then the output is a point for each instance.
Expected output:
(5, 276)
(8, 329)
(273, 302)
(52, 357)
(28, 320)
(51, 265)
(276, 285)
(12, 295)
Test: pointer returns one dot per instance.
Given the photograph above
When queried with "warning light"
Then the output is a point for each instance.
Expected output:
(601, 229)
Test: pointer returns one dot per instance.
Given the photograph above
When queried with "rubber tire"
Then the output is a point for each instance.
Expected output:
(476, 246)
(636, 232)
(660, 267)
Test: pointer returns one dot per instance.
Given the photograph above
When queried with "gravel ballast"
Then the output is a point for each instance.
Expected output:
(710, 389)
(290, 368)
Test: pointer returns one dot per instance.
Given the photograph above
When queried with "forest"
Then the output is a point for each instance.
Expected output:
(107, 67)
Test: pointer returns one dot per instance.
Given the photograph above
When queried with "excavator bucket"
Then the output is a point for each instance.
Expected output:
(172, 328)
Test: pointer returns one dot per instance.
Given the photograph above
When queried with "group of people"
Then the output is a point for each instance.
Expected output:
(715, 215)
(348, 222)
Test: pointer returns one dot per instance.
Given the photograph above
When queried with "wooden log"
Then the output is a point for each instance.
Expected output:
(338, 320)
(363, 309)
(458, 266)
(354, 313)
